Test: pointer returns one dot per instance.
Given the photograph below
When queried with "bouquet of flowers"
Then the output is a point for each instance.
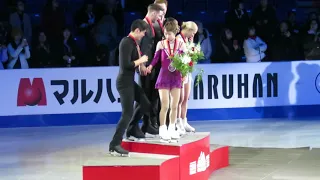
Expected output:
(185, 63)
(182, 63)
(196, 55)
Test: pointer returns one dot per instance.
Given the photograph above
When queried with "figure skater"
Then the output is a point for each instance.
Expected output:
(188, 30)
(129, 90)
(169, 82)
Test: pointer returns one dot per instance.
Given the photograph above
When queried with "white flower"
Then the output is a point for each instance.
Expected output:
(185, 59)
(198, 48)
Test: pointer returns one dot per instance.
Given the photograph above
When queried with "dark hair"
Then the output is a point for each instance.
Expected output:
(172, 26)
(139, 24)
(154, 7)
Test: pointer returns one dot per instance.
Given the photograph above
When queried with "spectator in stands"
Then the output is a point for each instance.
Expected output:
(101, 57)
(114, 8)
(18, 50)
(293, 26)
(66, 50)
(265, 19)
(228, 49)
(53, 20)
(237, 19)
(284, 45)
(21, 20)
(41, 54)
(3, 55)
(3, 47)
(311, 42)
(85, 21)
(203, 38)
(254, 47)
(105, 34)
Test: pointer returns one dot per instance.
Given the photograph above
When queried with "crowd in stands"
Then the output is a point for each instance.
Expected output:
(261, 37)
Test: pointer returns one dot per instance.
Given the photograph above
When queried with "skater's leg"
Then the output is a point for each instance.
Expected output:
(174, 100)
(165, 99)
(184, 107)
(127, 100)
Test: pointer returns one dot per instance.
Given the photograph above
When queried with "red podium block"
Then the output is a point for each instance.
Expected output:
(136, 167)
(197, 162)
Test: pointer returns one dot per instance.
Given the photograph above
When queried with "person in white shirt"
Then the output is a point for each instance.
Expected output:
(19, 51)
(254, 47)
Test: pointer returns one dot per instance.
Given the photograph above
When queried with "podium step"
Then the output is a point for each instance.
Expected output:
(191, 158)
(138, 166)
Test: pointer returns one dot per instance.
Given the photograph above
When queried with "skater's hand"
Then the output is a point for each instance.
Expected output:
(143, 59)
(149, 69)
(184, 78)
(143, 70)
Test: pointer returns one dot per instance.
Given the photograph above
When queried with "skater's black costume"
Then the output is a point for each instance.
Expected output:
(128, 89)
(148, 47)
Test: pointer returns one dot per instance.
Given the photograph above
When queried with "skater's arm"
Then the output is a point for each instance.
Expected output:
(157, 54)
(125, 51)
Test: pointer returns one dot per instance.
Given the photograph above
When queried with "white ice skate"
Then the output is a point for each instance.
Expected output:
(174, 135)
(180, 127)
(187, 126)
(164, 134)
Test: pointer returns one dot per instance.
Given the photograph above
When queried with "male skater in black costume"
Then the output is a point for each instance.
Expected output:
(148, 47)
(129, 59)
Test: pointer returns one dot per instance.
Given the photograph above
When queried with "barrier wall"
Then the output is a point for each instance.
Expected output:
(69, 96)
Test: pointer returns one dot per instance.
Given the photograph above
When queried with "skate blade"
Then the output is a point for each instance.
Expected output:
(115, 154)
(167, 141)
(131, 138)
(151, 135)
(174, 140)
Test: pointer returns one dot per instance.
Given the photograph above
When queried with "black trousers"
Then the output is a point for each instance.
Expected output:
(128, 95)
(148, 85)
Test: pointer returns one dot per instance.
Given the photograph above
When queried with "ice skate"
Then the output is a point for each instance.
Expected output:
(174, 135)
(180, 127)
(134, 133)
(118, 151)
(187, 126)
(164, 134)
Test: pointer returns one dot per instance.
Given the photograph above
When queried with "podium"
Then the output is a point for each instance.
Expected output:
(192, 158)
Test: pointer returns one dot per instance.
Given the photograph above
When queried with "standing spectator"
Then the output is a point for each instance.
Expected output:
(292, 23)
(254, 47)
(3, 55)
(18, 50)
(114, 8)
(66, 50)
(85, 20)
(284, 45)
(228, 49)
(311, 42)
(202, 37)
(41, 54)
(53, 20)
(237, 19)
(21, 20)
(105, 34)
(265, 19)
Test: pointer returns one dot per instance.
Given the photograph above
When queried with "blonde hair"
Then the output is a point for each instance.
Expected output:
(189, 25)
(161, 2)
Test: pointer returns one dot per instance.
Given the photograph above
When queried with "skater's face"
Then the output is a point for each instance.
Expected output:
(140, 34)
(170, 36)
